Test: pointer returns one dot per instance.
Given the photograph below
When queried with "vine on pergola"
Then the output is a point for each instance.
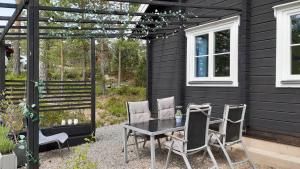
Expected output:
(157, 19)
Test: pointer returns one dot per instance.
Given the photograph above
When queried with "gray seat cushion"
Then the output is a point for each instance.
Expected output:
(61, 137)
(139, 111)
(166, 108)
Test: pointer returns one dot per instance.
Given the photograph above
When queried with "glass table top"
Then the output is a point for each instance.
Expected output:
(157, 125)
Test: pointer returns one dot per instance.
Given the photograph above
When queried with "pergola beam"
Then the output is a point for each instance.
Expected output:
(86, 21)
(105, 12)
(74, 37)
(46, 19)
(14, 17)
(177, 4)
(87, 28)
(8, 5)
(59, 34)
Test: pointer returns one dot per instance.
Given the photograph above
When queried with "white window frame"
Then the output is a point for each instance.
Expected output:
(231, 24)
(283, 13)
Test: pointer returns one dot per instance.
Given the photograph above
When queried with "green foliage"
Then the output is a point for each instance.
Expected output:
(50, 119)
(12, 116)
(133, 55)
(116, 106)
(128, 90)
(140, 77)
(80, 159)
(112, 108)
(4, 131)
(6, 145)
(11, 76)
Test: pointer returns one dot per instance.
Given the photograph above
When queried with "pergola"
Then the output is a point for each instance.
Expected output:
(142, 29)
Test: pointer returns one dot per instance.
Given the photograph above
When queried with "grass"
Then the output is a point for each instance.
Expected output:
(111, 108)
(6, 145)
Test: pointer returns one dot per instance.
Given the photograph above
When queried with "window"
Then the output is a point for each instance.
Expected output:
(212, 54)
(288, 45)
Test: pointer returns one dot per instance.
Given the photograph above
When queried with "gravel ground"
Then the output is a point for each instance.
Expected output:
(106, 152)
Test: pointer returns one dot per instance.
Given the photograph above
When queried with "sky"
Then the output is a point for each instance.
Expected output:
(6, 11)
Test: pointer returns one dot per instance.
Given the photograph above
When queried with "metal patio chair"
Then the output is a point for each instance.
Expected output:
(230, 131)
(59, 138)
(196, 137)
(138, 112)
(167, 109)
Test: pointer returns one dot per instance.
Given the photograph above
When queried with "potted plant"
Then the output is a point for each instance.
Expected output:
(12, 116)
(8, 159)
(178, 116)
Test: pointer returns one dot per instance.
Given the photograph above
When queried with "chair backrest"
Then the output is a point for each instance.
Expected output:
(166, 108)
(233, 122)
(196, 126)
(138, 111)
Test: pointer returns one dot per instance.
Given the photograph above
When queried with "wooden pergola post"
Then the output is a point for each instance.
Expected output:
(93, 85)
(2, 66)
(33, 76)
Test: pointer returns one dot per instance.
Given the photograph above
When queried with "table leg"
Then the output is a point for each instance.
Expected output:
(152, 147)
(125, 145)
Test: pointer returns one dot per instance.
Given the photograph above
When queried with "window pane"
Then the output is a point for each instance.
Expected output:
(222, 41)
(202, 45)
(295, 20)
(202, 66)
(222, 65)
(296, 60)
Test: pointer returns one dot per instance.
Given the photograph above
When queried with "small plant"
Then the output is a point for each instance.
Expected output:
(80, 159)
(12, 116)
(3, 131)
(6, 145)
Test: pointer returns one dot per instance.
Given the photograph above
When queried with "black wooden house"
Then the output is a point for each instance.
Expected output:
(251, 57)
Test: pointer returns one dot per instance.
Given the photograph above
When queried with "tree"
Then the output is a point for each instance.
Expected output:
(16, 46)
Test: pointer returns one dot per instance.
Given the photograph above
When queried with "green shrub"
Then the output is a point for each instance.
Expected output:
(128, 90)
(116, 106)
(11, 76)
(4, 131)
(6, 145)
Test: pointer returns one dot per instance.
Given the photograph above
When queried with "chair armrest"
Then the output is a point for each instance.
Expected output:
(214, 120)
(176, 138)
(234, 121)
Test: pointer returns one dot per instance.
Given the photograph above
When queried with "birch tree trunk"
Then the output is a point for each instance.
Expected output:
(17, 53)
(62, 64)
(102, 66)
(119, 68)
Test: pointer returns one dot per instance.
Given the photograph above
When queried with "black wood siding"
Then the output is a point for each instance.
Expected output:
(273, 113)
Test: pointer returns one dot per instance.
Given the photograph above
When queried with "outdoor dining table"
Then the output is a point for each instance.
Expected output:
(153, 128)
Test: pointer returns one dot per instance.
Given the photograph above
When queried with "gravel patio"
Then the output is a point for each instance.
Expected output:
(106, 152)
